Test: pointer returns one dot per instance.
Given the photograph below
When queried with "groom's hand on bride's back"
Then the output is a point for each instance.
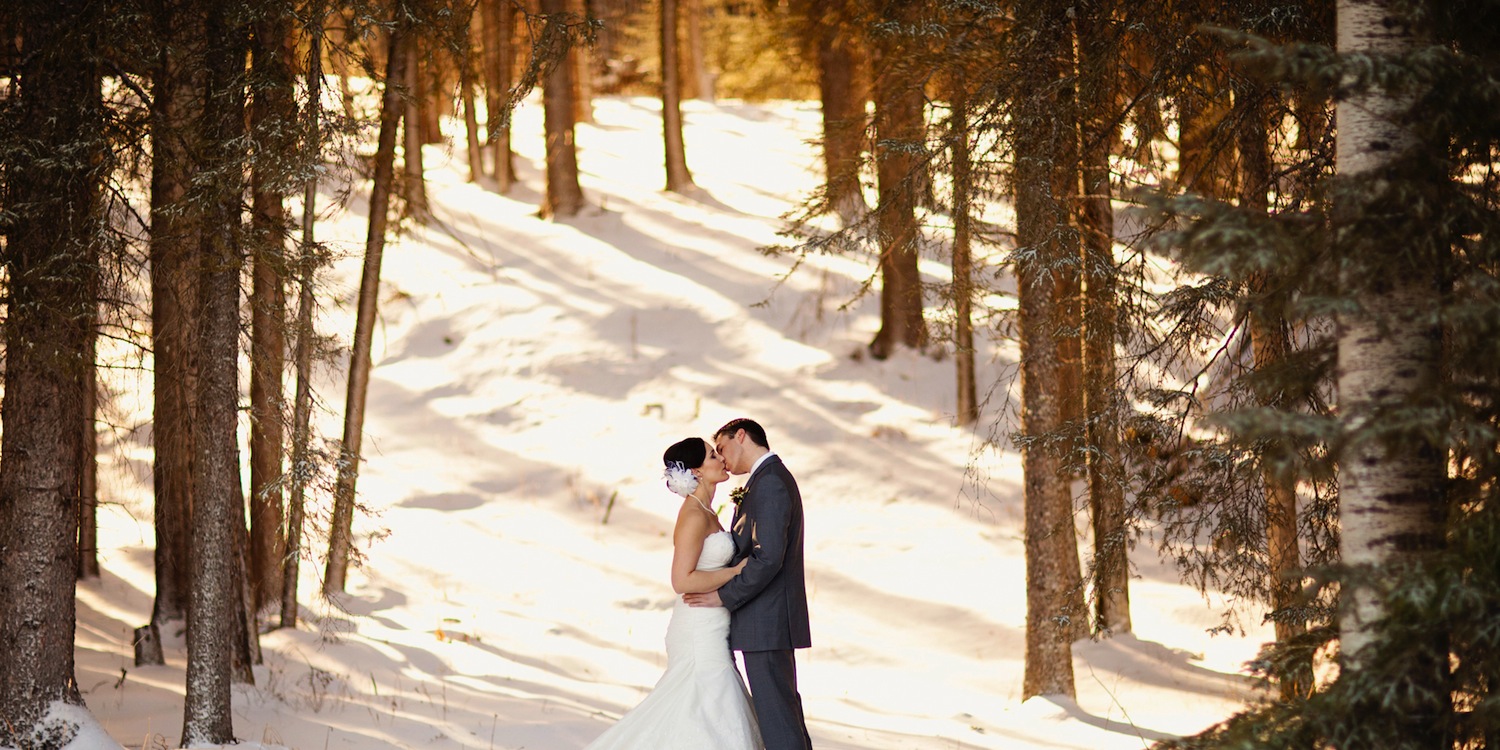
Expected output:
(708, 599)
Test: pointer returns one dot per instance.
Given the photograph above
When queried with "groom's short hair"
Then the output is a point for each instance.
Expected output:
(751, 427)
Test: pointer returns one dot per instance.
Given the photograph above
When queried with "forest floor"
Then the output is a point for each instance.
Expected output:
(528, 375)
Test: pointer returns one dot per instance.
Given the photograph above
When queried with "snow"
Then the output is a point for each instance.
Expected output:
(528, 373)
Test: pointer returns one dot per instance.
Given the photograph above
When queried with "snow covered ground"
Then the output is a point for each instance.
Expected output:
(528, 375)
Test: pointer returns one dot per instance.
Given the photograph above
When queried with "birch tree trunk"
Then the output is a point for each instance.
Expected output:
(51, 268)
(679, 180)
(1390, 497)
(391, 107)
(217, 516)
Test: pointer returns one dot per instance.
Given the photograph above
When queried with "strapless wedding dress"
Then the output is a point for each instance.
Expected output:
(701, 702)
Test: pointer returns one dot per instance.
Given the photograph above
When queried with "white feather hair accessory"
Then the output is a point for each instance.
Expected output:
(680, 479)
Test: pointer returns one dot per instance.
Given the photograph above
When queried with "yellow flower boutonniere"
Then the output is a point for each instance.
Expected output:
(737, 496)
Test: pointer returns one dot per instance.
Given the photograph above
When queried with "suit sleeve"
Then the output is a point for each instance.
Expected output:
(769, 517)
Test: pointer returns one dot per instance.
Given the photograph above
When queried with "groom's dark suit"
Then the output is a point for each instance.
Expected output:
(768, 602)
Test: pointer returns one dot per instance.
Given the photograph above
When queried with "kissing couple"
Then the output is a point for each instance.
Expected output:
(742, 589)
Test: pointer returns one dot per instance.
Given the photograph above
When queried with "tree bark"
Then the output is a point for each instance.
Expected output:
(899, 127)
(341, 531)
(1097, 75)
(51, 266)
(218, 515)
(963, 261)
(1054, 610)
(175, 225)
(271, 116)
(499, 56)
(307, 263)
(1390, 499)
(88, 462)
(564, 196)
(580, 62)
(844, 121)
(471, 123)
(1270, 346)
(679, 180)
(699, 82)
(414, 183)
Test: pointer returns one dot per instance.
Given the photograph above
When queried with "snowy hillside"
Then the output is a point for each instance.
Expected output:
(528, 375)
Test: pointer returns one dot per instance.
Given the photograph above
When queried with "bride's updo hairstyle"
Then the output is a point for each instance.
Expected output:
(680, 460)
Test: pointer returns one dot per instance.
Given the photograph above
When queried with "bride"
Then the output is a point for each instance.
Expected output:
(700, 701)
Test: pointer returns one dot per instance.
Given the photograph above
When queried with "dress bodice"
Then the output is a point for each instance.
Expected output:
(718, 550)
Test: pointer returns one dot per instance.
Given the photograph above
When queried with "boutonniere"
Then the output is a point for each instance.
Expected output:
(737, 496)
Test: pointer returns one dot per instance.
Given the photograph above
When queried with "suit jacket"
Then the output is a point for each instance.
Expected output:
(768, 599)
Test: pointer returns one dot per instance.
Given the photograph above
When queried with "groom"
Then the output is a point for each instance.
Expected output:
(767, 601)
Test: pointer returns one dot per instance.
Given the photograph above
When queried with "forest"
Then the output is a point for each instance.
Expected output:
(1219, 276)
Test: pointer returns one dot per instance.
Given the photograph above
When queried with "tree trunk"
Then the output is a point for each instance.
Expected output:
(307, 263)
(844, 122)
(679, 180)
(219, 508)
(341, 531)
(415, 181)
(1390, 484)
(1097, 75)
(499, 56)
(580, 62)
(564, 196)
(175, 225)
(963, 261)
(51, 267)
(898, 127)
(1270, 346)
(1054, 611)
(271, 118)
(88, 462)
(700, 82)
(471, 123)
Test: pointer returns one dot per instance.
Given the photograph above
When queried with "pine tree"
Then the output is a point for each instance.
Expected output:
(53, 170)
(564, 196)
(679, 179)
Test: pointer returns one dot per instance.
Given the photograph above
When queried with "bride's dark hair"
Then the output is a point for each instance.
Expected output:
(691, 453)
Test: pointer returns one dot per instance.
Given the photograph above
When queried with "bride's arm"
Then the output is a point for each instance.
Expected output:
(687, 546)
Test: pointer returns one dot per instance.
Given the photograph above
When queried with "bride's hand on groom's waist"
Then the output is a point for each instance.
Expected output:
(709, 599)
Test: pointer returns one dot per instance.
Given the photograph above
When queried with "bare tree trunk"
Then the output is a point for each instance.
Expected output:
(271, 117)
(88, 462)
(51, 267)
(499, 56)
(340, 535)
(679, 180)
(414, 183)
(1054, 609)
(700, 82)
(564, 196)
(1390, 484)
(580, 61)
(307, 263)
(471, 124)
(219, 507)
(844, 121)
(963, 261)
(1097, 75)
(898, 126)
(175, 226)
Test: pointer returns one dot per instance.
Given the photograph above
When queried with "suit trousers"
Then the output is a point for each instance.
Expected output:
(778, 705)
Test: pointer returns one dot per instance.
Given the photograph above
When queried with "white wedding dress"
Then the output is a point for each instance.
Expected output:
(701, 702)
